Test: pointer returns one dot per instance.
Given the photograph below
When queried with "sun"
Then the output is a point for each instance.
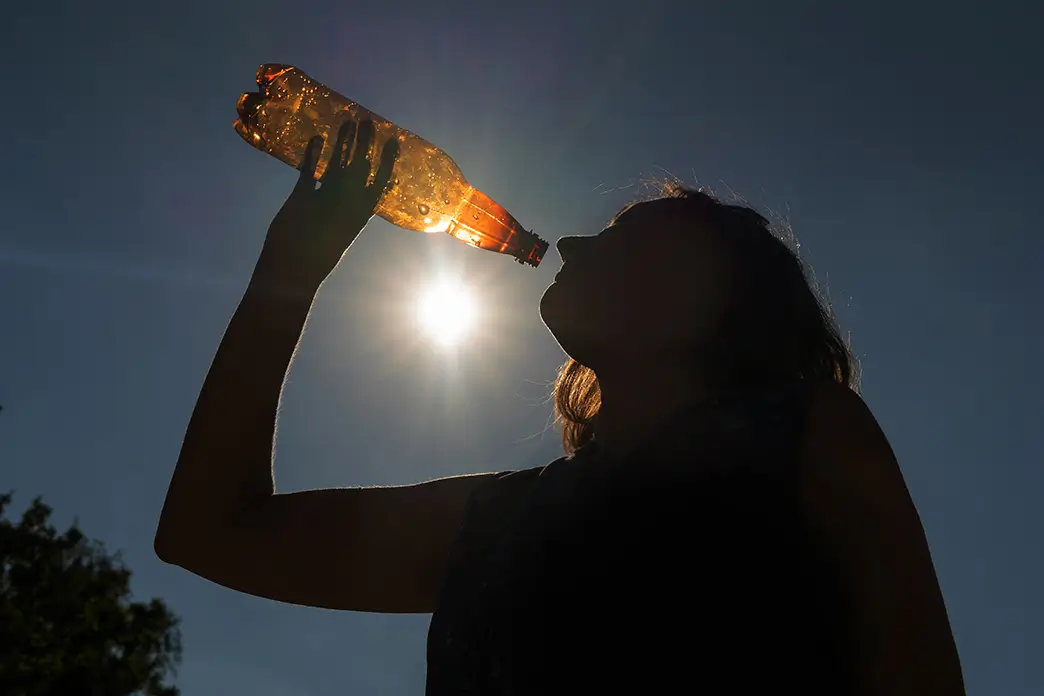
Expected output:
(446, 312)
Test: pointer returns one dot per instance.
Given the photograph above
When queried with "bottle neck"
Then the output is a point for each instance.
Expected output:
(484, 223)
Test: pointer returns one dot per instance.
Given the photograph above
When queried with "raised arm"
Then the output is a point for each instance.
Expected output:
(366, 549)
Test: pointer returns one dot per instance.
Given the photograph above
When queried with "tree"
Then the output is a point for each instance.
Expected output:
(68, 624)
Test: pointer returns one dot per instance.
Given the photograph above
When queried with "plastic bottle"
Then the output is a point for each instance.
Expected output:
(428, 191)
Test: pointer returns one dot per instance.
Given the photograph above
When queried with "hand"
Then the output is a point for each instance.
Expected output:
(315, 226)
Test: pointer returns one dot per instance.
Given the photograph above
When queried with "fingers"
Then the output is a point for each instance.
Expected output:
(384, 171)
(310, 160)
(342, 147)
(360, 164)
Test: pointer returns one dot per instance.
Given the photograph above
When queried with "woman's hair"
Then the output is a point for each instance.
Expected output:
(776, 326)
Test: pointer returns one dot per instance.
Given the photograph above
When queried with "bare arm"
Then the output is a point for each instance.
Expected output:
(857, 503)
(367, 549)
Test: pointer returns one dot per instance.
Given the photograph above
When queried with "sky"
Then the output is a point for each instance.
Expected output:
(902, 142)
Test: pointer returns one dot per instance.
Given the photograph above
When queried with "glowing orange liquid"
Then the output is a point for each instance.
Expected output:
(428, 194)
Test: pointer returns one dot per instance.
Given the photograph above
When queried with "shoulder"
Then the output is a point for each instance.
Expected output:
(837, 417)
(507, 487)
(494, 504)
(838, 423)
(856, 504)
(847, 464)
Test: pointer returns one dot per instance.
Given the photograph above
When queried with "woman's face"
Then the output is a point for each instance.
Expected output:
(649, 286)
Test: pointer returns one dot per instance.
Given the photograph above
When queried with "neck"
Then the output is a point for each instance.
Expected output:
(636, 403)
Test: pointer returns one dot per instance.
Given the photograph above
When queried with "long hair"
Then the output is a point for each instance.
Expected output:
(777, 326)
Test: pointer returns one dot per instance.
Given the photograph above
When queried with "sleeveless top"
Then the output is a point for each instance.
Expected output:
(684, 567)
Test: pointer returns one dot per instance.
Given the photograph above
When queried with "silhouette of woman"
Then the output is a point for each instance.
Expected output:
(728, 516)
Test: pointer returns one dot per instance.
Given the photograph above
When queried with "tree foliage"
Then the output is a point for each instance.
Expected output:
(68, 624)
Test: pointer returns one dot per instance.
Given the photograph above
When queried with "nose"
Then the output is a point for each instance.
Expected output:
(567, 247)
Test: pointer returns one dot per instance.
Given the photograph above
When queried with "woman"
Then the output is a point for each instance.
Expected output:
(729, 517)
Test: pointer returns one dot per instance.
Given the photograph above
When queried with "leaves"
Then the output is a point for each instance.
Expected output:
(68, 623)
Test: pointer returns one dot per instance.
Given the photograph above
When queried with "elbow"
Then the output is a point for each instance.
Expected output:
(192, 543)
(164, 554)
(163, 546)
(173, 540)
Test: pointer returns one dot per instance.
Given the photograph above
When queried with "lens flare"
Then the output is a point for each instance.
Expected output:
(446, 312)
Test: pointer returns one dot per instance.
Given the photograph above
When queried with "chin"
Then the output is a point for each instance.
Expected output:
(563, 316)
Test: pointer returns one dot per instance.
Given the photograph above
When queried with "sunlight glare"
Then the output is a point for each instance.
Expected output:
(446, 312)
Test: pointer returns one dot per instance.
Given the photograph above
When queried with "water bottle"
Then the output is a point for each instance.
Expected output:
(428, 192)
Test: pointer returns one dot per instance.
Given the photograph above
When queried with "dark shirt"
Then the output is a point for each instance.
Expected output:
(682, 568)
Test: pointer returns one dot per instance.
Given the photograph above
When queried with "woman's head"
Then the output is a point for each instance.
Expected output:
(685, 279)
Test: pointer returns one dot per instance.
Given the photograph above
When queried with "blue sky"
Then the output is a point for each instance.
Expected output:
(903, 142)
